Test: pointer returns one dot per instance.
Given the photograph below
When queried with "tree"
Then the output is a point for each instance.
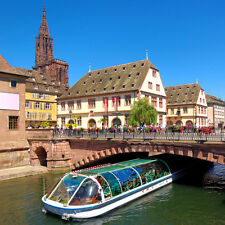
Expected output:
(142, 113)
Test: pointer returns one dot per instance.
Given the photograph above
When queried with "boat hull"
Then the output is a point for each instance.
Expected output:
(95, 210)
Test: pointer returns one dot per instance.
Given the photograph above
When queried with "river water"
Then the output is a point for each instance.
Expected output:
(180, 203)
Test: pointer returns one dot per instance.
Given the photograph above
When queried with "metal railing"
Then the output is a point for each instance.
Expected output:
(170, 136)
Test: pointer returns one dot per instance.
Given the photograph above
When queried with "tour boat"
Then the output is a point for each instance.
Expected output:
(96, 191)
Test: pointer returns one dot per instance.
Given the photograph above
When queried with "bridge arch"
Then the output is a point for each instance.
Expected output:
(41, 155)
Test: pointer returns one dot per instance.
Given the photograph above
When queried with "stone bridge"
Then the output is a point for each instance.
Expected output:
(78, 153)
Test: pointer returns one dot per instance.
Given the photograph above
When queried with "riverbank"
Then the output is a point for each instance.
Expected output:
(21, 171)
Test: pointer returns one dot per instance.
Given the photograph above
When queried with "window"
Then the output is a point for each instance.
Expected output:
(160, 119)
(199, 109)
(160, 103)
(37, 105)
(34, 115)
(48, 116)
(63, 106)
(124, 86)
(134, 66)
(71, 105)
(126, 118)
(129, 76)
(79, 121)
(91, 103)
(27, 104)
(117, 99)
(46, 96)
(13, 83)
(153, 73)
(157, 87)
(127, 100)
(138, 74)
(200, 99)
(154, 101)
(41, 116)
(28, 115)
(13, 122)
(124, 68)
(63, 121)
(47, 88)
(48, 106)
(185, 110)
(35, 86)
(203, 101)
(150, 85)
(78, 104)
(41, 96)
(172, 111)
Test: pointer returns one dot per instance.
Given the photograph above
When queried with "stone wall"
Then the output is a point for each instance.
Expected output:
(13, 158)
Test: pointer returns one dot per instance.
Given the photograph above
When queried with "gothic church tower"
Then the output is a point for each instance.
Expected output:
(44, 61)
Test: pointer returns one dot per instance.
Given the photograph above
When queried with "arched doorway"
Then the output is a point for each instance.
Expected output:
(42, 156)
(116, 122)
(91, 123)
(179, 123)
(189, 123)
(169, 124)
(71, 121)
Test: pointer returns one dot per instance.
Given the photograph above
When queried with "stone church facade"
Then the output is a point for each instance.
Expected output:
(44, 61)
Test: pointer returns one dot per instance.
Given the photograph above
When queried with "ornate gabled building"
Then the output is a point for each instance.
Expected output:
(109, 93)
(216, 111)
(40, 98)
(44, 61)
(186, 105)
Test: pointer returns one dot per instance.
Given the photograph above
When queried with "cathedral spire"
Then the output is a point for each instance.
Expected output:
(44, 25)
(44, 43)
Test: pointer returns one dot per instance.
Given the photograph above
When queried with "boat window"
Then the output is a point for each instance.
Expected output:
(128, 178)
(66, 188)
(88, 193)
(152, 171)
(113, 183)
(105, 186)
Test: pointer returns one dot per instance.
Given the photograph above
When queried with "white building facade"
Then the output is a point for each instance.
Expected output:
(107, 95)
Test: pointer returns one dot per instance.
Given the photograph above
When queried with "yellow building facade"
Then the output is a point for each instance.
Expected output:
(40, 100)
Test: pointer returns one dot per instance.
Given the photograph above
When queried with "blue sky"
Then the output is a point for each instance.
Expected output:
(185, 39)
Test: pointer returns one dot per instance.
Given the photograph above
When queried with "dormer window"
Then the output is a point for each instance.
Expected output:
(94, 90)
(115, 70)
(89, 74)
(138, 74)
(110, 78)
(132, 85)
(134, 66)
(124, 68)
(171, 95)
(77, 92)
(142, 64)
(129, 76)
(113, 88)
(98, 73)
(173, 89)
(47, 88)
(124, 86)
(86, 91)
(93, 82)
(193, 93)
(104, 89)
(69, 93)
(154, 73)
(105, 71)
(100, 81)
(84, 83)
(118, 77)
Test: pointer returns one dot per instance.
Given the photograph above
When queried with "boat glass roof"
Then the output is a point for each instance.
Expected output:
(117, 166)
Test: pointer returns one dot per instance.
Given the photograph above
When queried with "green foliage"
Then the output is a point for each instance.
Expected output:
(45, 124)
(142, 113)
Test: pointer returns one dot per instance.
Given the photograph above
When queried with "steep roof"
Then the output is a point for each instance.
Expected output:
(214, 100)
(183, 94)
(114, 79)
(39, 82)
(5, 67)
